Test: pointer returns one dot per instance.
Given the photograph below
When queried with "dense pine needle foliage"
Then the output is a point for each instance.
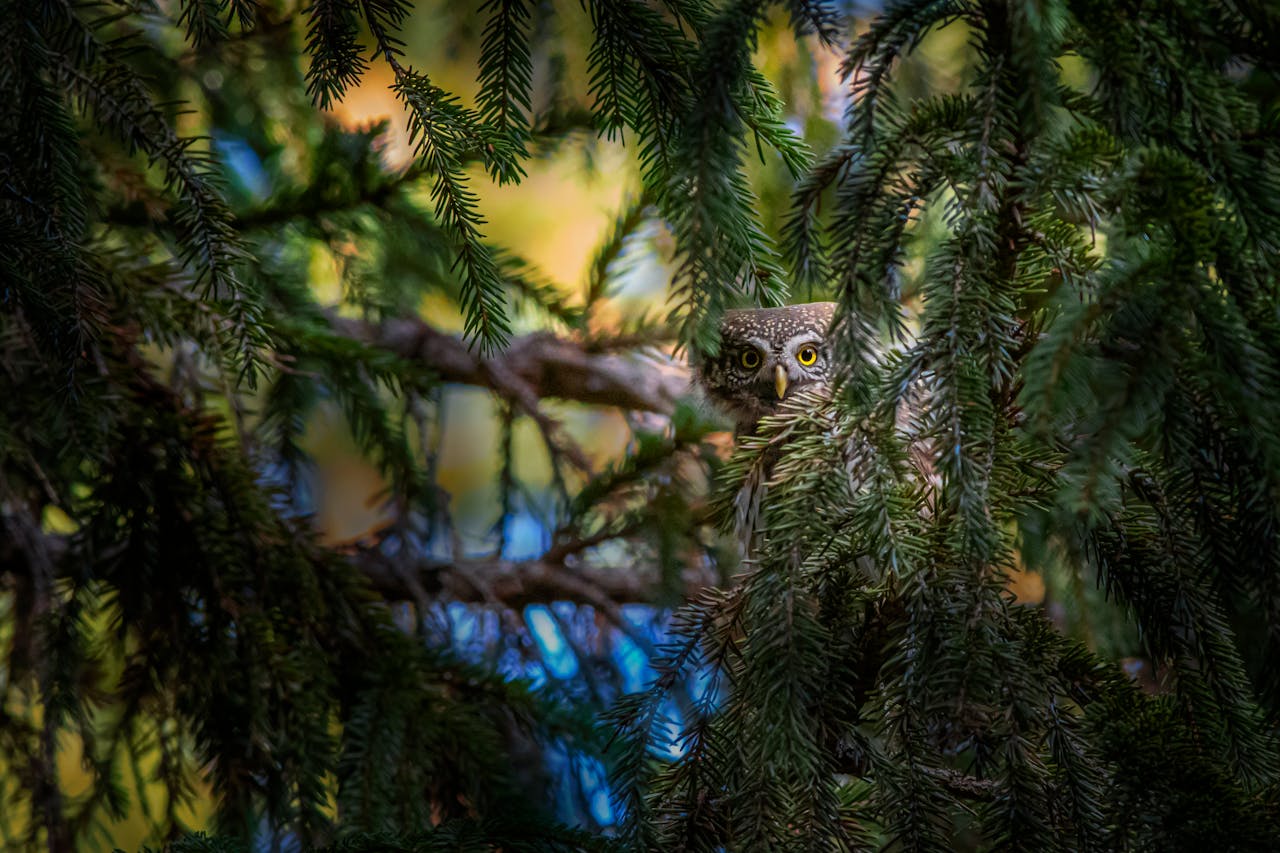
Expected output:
(1058, 344)
(1088, 379)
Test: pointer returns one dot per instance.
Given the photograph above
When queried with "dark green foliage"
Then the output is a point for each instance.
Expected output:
(182, 623)
(506, 70)
(1059, 352)
(460, 836)
(337, 60)
(1075, 400)
(444, 133)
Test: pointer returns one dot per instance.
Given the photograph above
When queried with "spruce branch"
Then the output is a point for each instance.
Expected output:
(873, 55)
(506, 70)
(98, 78)
(721, 248)
(337, 60)
(202, 20)
(442, 131)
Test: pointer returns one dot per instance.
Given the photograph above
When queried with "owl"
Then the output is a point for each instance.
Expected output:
(767, 355)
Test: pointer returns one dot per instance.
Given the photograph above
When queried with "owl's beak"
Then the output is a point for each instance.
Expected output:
(780, 380)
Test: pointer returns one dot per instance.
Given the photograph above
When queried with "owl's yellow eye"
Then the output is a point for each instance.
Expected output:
(749, 358)
(807, 355)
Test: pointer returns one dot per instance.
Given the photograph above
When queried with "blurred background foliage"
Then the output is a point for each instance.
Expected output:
(440, 489)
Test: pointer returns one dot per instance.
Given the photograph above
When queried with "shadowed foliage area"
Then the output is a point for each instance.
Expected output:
(329, 520)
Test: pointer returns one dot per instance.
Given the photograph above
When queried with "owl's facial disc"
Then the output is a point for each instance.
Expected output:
(766, 356)
(769, 373)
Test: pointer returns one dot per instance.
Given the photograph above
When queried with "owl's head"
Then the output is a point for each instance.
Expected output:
(767, 355)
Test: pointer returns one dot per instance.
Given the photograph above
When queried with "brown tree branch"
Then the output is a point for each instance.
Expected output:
(532, 368)
(518, 583)
(559, 575)
(546, 365)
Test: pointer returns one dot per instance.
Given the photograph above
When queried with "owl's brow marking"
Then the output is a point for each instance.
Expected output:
(795, 341)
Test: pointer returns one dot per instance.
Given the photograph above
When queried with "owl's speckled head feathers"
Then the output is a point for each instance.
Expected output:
(767, 355)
